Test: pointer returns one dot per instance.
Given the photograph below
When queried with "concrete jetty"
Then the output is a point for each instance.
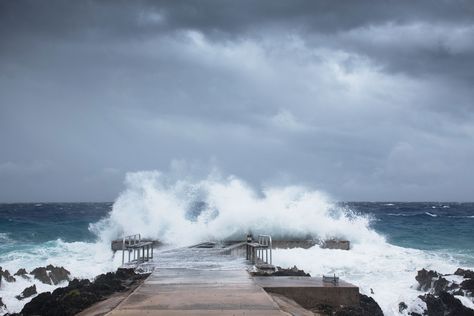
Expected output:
(214, 281)
(198, 292)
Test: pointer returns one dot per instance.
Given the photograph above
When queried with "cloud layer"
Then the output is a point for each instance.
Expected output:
(366, 101)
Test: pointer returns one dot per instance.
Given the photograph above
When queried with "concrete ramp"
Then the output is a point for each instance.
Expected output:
(184, 291)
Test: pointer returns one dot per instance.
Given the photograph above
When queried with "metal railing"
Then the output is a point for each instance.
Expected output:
(133, 244)
(266, 242)
(260, 250)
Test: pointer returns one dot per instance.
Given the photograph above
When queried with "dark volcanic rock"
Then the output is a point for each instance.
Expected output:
(445, 305)
(41, 274)
(468, 274)
(29, 291)
(279, 271)
(21, 272)
(425, 279)
(4, 274)
(51, 274)
(468, 285)
(57, 274)
(290, 272)
(368, 307)
(402, 306)
(2, 305)
(440, 285)
(80, 294)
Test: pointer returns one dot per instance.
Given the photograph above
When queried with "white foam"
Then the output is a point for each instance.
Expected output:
(386, 269)
(8, 291)
(466, 301)
(83, 260)
(158, 208)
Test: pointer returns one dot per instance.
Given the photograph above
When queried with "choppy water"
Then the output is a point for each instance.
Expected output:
(391, 241)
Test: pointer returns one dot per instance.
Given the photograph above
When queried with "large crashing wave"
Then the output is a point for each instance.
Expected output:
(181, 212)
(186, 211)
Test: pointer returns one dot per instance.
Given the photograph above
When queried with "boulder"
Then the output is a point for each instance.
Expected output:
(5, 275)
(368, 307)
(445, 304)
(29, 291)
(468, 285)
(290, 272)
(41, 274)
(279, 271)
(439, 285)
(21, 272)
(57, 274)
(425, 279)
(51, 274)
(402, 306)
(468, 274)
(2, 305)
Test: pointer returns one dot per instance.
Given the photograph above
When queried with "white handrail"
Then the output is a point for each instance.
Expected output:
(266, 240)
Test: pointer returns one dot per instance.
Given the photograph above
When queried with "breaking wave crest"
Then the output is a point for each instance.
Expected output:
(186, 211)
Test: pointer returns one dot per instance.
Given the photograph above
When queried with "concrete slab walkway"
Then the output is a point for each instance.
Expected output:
(185, 291)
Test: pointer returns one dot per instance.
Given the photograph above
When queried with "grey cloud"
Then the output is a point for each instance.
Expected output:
(368, 101)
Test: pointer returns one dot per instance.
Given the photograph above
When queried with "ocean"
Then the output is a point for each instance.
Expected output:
(390, 241)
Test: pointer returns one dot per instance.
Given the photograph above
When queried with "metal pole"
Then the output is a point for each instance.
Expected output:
(123, 250)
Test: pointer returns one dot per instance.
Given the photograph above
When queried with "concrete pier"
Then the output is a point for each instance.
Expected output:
(207, 280)
(198, 292)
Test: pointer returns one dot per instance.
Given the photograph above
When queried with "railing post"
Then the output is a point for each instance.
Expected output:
(123, 250)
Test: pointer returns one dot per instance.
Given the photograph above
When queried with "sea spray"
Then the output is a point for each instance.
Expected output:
(184, 212)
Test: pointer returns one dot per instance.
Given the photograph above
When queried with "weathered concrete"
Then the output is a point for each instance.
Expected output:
(336, 244)
(311, 291)
(212, 281)
(290, 306)
(185, 291)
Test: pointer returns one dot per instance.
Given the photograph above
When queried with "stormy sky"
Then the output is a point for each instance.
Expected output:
(365, 100)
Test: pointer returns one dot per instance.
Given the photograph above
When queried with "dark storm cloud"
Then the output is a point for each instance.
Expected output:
(367, 100)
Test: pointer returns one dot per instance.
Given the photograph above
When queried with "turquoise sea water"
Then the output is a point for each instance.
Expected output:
(446, 227)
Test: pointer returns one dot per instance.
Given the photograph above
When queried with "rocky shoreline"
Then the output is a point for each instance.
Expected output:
(73, 298)
(442, 294)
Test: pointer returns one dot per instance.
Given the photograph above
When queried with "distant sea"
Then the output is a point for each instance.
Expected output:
(444, 227)
(430, 234)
